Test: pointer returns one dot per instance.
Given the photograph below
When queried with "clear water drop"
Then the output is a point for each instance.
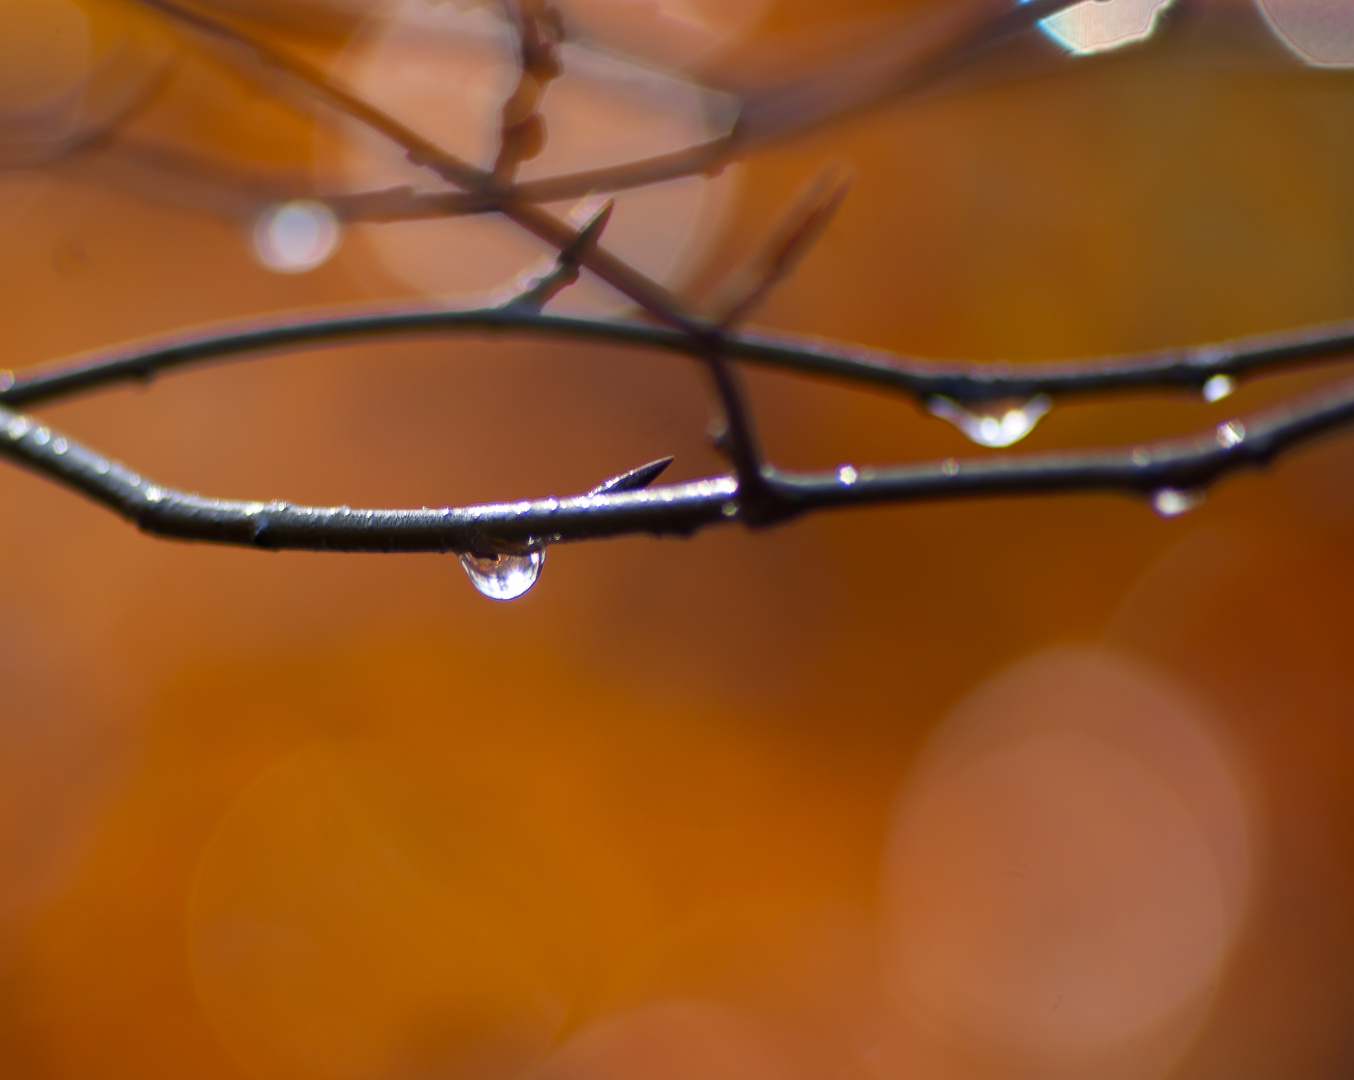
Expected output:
(1172, 502)
(998, 424)
(503, 577)
(1219, 387)
(1230, 434)
(847, 475)
(293, 237)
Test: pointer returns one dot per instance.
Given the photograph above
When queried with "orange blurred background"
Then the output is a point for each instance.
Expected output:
(1041, 787)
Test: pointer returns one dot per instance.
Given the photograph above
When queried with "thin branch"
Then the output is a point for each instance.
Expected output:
(1177, 465)
(522, 129)
(781, 112)
(802, 226)
(630, 282)
(539, 291)
(1169, 369)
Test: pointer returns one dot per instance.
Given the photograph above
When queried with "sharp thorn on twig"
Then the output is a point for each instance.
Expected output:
(541, 290)
(633, 480)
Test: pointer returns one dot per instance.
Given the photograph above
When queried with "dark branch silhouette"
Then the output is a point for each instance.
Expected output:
(1171, 472)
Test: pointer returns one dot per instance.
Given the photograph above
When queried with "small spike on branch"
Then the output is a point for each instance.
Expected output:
(503, 545)
(542, 289)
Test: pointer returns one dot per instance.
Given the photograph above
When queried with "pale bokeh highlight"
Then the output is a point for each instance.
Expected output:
(1321, 32)
(1067, 869)
(446, 72)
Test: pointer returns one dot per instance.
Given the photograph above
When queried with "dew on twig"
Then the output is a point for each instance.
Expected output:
(1219, 387)
(502, 576)
(995, 424)
(1172, 502)
(1230, 434)
(297, 236)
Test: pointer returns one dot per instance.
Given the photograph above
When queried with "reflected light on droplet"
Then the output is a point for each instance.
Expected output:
(992, 425)
(1219, 387)
(294, 237)
(503, 577)
(1321, 32)
(1230, 434)
(1098, 25)
(1173, 502)
(446, 71)
(1068, 866)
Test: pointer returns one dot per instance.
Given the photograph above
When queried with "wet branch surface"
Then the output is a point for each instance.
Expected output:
(755, 493)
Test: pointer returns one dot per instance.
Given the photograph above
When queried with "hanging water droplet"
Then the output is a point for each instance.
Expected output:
(1219, 387)
(503, 577)
(1172, 502)
(998, 424)
(296, 236)
(1230, 434)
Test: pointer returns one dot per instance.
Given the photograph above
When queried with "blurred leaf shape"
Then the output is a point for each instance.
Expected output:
(70, 72)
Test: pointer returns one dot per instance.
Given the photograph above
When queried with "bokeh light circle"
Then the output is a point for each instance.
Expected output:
(445, 71)
(1068, 867)
(1320, 32)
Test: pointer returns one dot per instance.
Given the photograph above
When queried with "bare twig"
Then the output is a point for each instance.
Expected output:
(541, 290)
(757, 493)
(1167, 369)
(802, 226)
(522, 130)
(1178, 465)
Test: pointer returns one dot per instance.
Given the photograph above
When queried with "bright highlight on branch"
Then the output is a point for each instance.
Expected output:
(1101, 25)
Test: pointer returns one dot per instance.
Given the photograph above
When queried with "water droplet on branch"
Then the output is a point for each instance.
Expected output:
(1230, 434)
(1219, 387)
(1172, 502)
(503, 577)
(995, 424)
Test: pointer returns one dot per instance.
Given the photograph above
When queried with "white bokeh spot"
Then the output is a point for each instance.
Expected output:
(1320, 32)
(294, 237)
